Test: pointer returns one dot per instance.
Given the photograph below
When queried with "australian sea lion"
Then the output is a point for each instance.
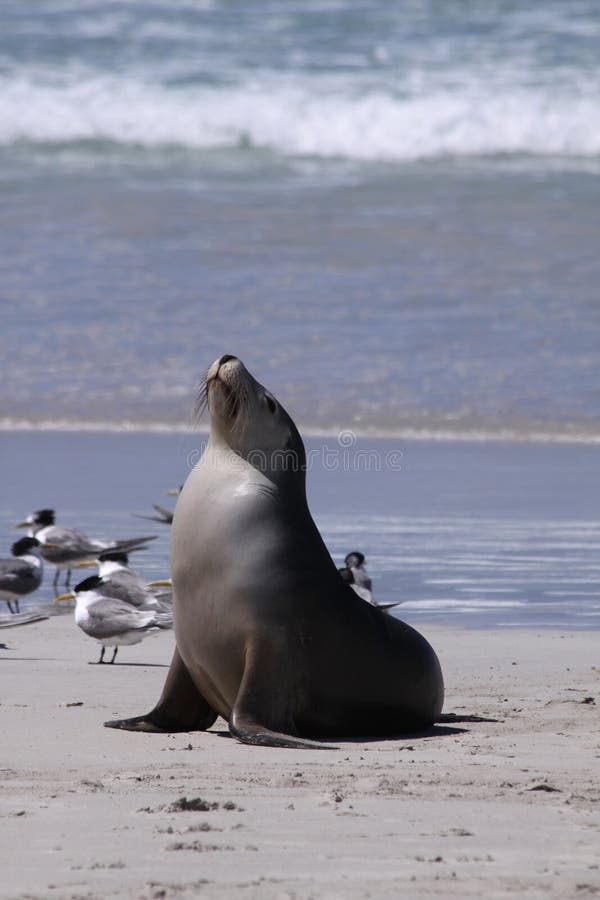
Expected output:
(268, 634)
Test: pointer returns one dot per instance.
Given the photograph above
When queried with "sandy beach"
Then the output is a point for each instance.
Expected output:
(391, 214)
(496, 808)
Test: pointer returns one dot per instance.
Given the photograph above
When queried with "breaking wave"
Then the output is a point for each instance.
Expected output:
(304, 117)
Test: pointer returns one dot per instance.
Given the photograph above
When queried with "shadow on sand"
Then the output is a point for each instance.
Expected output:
(437, 731)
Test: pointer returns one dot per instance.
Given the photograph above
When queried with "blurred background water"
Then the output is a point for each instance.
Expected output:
(390, 211)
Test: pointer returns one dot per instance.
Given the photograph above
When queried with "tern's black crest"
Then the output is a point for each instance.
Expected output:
(89, 584)
(44, 517)
(355, 559)
(24, 545)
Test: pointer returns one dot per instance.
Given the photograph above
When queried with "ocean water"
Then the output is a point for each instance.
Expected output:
(391, 212)
(468, 534)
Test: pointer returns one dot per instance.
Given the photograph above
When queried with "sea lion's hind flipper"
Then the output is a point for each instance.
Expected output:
(449, 718)
(250, 732)
(181, 706)
(261, 700)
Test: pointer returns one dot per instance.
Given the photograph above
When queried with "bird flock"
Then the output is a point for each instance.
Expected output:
(116, 606)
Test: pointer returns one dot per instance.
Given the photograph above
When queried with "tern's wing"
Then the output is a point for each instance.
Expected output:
(164, 516)
(58, 534)
(109, 618)
(69, 539)
(126, 588)
(18, 575)
(361, 577)
(167, 514)
(364, 593)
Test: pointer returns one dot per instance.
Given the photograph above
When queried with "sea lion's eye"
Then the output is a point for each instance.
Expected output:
(271, 404)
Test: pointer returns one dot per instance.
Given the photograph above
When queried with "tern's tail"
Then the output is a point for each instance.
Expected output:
(164, 516)
(163, 618)
(125, 546)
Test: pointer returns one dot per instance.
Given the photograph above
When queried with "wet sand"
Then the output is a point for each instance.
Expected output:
(497, 808)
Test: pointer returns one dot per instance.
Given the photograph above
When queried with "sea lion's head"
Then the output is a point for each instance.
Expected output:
(250, 421)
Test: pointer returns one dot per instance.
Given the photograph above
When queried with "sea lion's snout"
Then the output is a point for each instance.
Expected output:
(225, 379)
(226, 363)
(225, 372)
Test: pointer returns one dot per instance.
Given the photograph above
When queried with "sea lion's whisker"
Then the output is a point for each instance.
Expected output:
(202, 397)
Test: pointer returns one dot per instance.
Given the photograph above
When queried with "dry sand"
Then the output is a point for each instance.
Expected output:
(495, 809)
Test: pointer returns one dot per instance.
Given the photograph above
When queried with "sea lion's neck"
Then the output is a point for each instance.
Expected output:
(273, 472)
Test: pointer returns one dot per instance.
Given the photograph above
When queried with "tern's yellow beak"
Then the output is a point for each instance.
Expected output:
(24, 524)
(85, 565)
(68, 596)
(163, 582)
(172, 492)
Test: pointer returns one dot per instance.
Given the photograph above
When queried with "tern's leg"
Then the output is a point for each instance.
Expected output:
(114, 656)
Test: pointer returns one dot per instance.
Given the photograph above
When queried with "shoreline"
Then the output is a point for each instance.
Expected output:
(433, 435)
(505, 807)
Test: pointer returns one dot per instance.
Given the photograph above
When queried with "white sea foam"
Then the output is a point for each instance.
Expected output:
(23, 423)
(462, 605)
(302, 117)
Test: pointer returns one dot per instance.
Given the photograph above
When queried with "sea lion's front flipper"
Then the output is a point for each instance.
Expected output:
(181, 706)
(260, 706)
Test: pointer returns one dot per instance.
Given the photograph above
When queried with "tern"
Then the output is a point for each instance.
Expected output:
(112, 622)
(64, 547)
(163, 515)
(355, 561)
(355, 574)
(122, 583)
(22, 573)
